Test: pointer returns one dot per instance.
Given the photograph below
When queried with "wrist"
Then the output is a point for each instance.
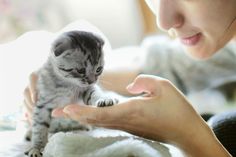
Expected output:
(201, 141)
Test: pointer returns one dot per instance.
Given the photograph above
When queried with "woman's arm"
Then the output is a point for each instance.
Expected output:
(202, 142)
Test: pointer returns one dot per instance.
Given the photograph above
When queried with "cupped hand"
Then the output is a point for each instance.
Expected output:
(162, 114)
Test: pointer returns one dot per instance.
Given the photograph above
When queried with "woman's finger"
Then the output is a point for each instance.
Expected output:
(28, 107)
(28, 99)
(28, 112)
(32, 86)
(83, 113)
(75, 112)
(99, 115)
(145, 84)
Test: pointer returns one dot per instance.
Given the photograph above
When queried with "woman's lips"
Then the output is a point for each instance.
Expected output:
(192, 40)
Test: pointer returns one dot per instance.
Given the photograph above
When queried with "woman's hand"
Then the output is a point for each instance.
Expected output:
(163, 114)
(30, 97)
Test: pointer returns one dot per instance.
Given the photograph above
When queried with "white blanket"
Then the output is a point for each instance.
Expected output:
(91, 145)
(96, 143)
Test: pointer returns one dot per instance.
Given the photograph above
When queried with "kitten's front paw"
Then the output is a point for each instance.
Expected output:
(33, 152)
(107, 102)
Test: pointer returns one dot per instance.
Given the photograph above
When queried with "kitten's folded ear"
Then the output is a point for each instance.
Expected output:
(60, 45)
(100, 42)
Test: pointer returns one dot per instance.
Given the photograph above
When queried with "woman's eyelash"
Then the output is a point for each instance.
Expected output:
(66, 70)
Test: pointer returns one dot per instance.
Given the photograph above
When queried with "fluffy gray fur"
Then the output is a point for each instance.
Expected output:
(69, 76)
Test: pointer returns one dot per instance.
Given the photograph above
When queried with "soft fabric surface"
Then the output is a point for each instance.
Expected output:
(96, 143)
(90, 145)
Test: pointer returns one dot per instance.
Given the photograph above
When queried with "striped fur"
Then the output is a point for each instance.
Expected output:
(69, 76)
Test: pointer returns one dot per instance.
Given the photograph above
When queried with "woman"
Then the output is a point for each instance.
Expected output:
(164, 114)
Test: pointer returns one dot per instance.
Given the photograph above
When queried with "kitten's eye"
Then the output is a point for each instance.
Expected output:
(81, 71)
(99, 69)
(66, 70)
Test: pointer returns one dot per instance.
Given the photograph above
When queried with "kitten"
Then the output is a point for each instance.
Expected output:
(69, 76)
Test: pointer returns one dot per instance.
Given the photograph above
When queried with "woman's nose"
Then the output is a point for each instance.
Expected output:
(168, 15)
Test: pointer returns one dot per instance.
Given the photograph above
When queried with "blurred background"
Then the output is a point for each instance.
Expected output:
(124, 22)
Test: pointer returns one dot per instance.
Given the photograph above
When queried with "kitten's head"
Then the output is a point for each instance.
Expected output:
(77, 56)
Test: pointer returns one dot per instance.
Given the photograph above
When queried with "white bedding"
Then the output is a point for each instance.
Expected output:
(96, 143)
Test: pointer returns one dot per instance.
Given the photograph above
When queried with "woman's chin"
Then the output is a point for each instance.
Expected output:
(200, 54)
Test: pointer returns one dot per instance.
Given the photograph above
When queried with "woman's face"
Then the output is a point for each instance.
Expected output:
(202, 26)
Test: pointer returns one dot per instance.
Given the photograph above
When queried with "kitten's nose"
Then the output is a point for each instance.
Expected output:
(91, 81)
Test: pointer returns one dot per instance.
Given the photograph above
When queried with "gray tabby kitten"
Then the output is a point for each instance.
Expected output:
(68, 76)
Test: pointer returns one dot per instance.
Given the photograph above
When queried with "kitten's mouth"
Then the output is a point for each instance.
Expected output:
(91, 84)
(87, 84)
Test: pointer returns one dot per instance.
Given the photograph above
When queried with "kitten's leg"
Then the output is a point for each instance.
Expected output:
(40, 127)
(28, 135)
(95, 96)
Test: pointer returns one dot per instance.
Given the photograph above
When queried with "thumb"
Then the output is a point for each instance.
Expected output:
(73, 111)
(145, 84)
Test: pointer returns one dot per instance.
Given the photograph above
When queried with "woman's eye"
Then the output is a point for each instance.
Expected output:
(99, 69)
(66, 70)
(81, 71)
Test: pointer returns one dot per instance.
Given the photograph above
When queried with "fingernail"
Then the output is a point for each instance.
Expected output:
(67, 110)
(70, 112)
(130, 86)
(34, 98)
(57, 112)
(54, 114)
